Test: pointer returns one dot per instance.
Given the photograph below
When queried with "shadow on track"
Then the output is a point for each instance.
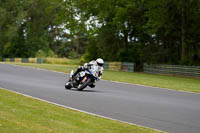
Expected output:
(91, 91)
(84, 90)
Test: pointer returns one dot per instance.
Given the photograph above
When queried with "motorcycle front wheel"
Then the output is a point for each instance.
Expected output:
(84, 84)
(67, 85)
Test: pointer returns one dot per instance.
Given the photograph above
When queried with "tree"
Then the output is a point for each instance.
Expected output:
(138, 31)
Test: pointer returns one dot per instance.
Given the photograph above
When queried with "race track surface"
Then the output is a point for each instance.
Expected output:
(163, 109)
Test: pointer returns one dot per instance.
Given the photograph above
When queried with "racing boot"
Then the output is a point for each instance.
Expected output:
(80, 68)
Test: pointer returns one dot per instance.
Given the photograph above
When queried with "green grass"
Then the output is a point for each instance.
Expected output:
(64, 61)
(162, 81)
(20, 114)
(54, 67)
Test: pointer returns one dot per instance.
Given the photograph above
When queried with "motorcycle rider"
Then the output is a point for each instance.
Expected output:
(91, 65)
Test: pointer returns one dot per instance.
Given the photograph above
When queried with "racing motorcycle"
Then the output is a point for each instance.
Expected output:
(81, 80)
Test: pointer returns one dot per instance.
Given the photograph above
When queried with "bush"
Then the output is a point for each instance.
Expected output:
(73, 54)
(41, 53)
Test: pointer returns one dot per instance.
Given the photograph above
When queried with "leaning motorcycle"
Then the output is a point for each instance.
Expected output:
(82, 79)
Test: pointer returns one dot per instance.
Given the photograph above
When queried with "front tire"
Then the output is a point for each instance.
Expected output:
(84, 85)
(68, 86)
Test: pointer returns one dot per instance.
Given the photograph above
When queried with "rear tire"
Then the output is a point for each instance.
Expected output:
(84, 85)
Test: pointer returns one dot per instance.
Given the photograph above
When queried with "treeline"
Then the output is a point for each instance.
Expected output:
(163, 31)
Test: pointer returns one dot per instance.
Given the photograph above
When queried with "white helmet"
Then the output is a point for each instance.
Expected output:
(100, 62)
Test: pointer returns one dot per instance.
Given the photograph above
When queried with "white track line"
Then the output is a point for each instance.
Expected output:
(60, 105)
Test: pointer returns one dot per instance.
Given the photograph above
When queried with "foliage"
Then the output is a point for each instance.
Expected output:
(30, 26)
(41, 53)
(73, 54)
(139, 31)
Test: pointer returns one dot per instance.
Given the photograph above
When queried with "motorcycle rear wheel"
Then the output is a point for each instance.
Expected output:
(84, 85)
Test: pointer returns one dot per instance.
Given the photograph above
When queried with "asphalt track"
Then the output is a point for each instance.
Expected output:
(162, 109)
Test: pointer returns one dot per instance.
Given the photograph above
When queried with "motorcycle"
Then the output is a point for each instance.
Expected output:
(82, 79)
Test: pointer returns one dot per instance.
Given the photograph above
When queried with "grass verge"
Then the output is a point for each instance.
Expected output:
(162, 81)
(20, 114)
